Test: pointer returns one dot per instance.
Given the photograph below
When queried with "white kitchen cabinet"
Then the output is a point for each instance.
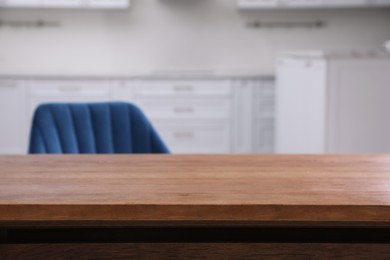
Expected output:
(212, 115)
(13, 127)
(192, 116)
(300, 111)
(333, 103)
(301, 4)
(264, 138)
(254, 115)
(243, 115)
(264, 116)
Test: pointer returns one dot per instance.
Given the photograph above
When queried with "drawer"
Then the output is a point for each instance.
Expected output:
(64, 88)
(184, 88)
(196, 138)
(186, 109)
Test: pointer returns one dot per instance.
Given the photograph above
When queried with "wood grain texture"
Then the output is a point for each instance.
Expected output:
(279, 188)
(195, 251)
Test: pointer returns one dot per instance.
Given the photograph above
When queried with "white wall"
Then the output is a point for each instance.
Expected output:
(156, 35)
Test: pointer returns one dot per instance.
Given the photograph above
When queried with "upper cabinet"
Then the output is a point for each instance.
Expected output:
(88, 4)
(287, 4)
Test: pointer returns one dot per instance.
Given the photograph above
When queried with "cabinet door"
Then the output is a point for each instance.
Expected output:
(13, 130)
(264, 136)
(301, 106)
(264, 117)
(243, 115)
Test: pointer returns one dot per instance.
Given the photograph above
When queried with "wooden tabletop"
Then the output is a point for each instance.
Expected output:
(272, 188)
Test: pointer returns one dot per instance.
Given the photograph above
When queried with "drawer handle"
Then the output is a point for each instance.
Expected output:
(184, 135)
(184, 88)
(69, 88)
(184, 110)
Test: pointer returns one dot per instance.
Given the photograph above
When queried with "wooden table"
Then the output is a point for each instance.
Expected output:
(217, 207)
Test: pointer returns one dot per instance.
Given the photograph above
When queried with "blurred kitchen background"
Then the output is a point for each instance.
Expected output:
(214, 76)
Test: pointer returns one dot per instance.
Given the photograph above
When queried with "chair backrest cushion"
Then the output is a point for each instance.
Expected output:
(93, 128)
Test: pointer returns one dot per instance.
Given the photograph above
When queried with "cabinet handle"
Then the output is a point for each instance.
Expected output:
(184, 88)
(184, 110)
(69, 88)
(188, 135)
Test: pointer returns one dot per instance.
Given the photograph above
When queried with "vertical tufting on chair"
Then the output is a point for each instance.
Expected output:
(93, 128)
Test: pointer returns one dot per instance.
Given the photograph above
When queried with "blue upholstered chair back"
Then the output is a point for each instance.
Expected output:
(93, 128)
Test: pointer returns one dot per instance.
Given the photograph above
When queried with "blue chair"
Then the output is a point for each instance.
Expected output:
(93, 128)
